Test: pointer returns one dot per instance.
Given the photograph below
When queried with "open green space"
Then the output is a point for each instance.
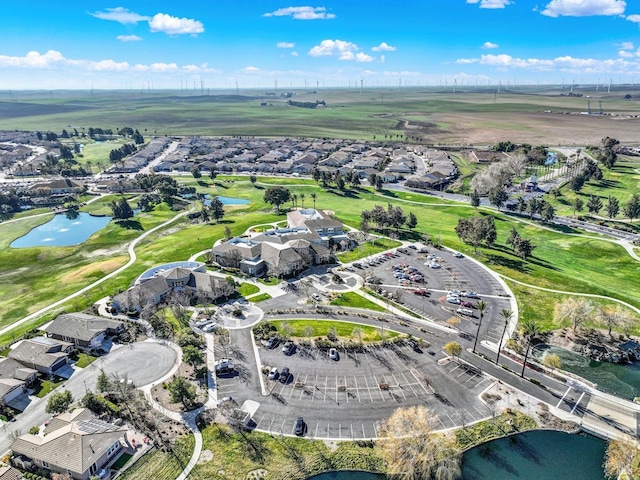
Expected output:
(160, 465)
(283, 458)
(32, 278)
(343, 330)
(511, 421)
(372, 247)
(95, 155)
(622, 181)
(353, 300)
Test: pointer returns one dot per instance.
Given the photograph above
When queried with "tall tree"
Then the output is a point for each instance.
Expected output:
(195, 171)
(314, 197)
(216, 209)
(594, 204)
(632, 208)
(548, 212)
(277, 196)
(121, 209)
(506, 315)
(576, 310)
(475, 199)
(59, 402)
(482, 307)
(613, 207)
(498, 196)
(529, 330)
(412, 221)
(577, 204)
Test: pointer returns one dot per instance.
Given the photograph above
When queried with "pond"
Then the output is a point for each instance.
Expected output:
(622, 380)
(61, 231)
(534, 455)
(228, 200)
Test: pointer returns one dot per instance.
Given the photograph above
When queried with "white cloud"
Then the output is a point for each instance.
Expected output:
(382, 58)
(285, 44)
(163, 67)
(583, 8)
(128, 38)
(626, 45)
(565, 63)
(120, 15)
(363, 57)
(294, 54)
(302, 13)
(383, 47)
(250, 69)
(339, 48)
(635, 18)
(491, 3)
(488, 45)
(110, 66)
(34, 59)
(625, 54)
(161, 22)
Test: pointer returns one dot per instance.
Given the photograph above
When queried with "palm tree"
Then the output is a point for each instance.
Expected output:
(294, 200)
(482, 306)
(506, 314)
(313, 197)
(529, 330)
(302, 199)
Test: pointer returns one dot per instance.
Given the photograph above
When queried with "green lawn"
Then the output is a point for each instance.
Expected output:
(282, 457)
(370, 248)
(84, 360)
(159, 465)
(259, 298)
(352, 299)
(247, 289)
(343, 330)
(44, 387)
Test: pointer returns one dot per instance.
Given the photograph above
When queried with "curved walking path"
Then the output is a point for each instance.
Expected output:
(132, 258)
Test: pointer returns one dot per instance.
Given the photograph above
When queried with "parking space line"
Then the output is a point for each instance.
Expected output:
(408, 383)
(260, 421)
(364, 435)
(577, 403)
(326, 381)
(339, 430)
(355, 380)
(471, 378)
(399, 386)
(282, 426)
(443, 425)
(317, 425)
(368, 389)
(449, 417)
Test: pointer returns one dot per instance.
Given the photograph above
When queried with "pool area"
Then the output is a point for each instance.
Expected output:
(61, 231)
(622, 380)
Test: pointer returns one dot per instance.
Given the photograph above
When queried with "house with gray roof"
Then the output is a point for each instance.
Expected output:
(75, 443)
(14, 379)
(43, 354)
(7, 472)
(83, 330)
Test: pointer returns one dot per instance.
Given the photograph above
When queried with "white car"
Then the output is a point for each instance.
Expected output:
(273, 373)
(434, 265)
(454, 300)
(316, 297)
(458, 255)
(333, 354)
(465, 311)
(210, 328)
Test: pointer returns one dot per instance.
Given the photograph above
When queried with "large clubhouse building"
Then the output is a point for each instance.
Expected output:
(308, 239)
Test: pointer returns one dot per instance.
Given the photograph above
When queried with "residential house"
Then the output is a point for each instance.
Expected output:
(75, 443)
(7, 472)
(45, 355)
(15, 378)
(83, 330)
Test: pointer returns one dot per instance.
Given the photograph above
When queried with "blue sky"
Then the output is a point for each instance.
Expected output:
(216, 43)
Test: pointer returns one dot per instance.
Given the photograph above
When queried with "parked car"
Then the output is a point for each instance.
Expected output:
(210, 328)
(273, 373)
(299, 427)
(470, 294)
(466, 304)
(224, 367)
(333, 354)
(414, 345)
(284, 375)
(454, 300)
(421, 292)
(288, 348)
(271, 343)
(202, 322)
(316, 297)
(465, 311)
(458, 255)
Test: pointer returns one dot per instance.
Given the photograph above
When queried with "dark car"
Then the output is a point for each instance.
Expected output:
(284, 375)
(299, 426)
(271, 343)
(288, 348)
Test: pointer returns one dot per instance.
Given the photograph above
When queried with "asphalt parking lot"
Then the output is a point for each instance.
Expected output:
(347, 398)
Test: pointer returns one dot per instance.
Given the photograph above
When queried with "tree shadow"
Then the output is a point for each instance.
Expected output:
(512, 263)
(130, 224)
